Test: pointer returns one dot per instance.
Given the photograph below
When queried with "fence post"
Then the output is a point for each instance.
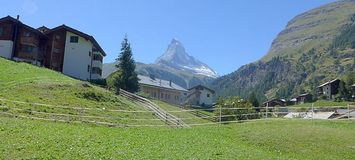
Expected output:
(166, 117)
(312, 110)
(267, 109)
(348, 111)
(220, 115)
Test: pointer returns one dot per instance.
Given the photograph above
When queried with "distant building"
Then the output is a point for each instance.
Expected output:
(304, 98)
(329, 89)
(275, 102)
(74, 53)
(292, 101)
(21, 42)
(200, 95)
(62, 48)
(163, 90)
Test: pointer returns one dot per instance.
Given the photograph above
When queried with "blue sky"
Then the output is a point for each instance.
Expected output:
(224, 34)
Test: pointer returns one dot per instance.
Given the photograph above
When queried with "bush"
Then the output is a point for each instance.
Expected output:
(94, 96)
(100, 82)
(234, 114)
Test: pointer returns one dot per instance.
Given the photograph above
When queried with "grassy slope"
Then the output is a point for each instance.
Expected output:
(295, 139)
(187, 117)
(24, 82)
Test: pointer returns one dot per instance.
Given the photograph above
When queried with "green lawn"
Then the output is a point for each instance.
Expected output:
(272, 139)
(187, 116)
(82, 106)
(69, 99)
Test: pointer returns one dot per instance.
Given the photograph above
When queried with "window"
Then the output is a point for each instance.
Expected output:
(89, 54)
(74, 39)
(97, 57)
(88, 68)
(208, 95)
(27, 48)
(57, 37)
(96, 70)
(1, 31)
(27, 34)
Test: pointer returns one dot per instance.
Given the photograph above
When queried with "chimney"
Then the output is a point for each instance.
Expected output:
(18, 17)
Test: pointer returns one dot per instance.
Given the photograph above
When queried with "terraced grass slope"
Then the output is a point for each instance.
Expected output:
(28, 91)
(189, 116)
(274, 139)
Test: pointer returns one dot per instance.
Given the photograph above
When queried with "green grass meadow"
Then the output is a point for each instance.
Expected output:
(63, 98)
(263, 139)
(39, 109)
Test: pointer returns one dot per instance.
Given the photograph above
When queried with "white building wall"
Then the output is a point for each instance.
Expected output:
(6, 48)
(76, 57)
(204, 99)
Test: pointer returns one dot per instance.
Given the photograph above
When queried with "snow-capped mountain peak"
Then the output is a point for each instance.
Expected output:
(176, 57)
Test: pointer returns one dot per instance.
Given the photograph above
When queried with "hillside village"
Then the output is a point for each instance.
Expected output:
(59, 100)
(60, 48)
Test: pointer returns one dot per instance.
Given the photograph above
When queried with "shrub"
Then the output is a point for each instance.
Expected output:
(95, 96)
(100, 82)
(234, 114)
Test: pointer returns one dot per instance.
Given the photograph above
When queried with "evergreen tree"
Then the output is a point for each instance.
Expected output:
(126, 77)
(253, 100)
(342, 91)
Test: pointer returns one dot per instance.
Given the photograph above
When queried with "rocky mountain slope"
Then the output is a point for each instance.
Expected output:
(177, 58)
(176, 65)
(315, 46)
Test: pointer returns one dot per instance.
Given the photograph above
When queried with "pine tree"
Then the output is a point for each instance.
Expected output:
(126, 77)
(253, 100)
(342, 91)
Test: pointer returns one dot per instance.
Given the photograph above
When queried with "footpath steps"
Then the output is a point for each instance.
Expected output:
(163, 115)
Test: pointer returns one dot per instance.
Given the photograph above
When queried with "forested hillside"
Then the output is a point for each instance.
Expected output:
(315, 47)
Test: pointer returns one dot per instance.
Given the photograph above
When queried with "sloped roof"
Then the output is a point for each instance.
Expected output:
(329, 82)
(303, 95)
(82, 34)
(9, 18)
(275, 100)
(160, 83)
(201, 86)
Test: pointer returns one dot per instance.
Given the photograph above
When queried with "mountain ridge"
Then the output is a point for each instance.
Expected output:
(176, 57)
(176, 65)
(300, 57)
